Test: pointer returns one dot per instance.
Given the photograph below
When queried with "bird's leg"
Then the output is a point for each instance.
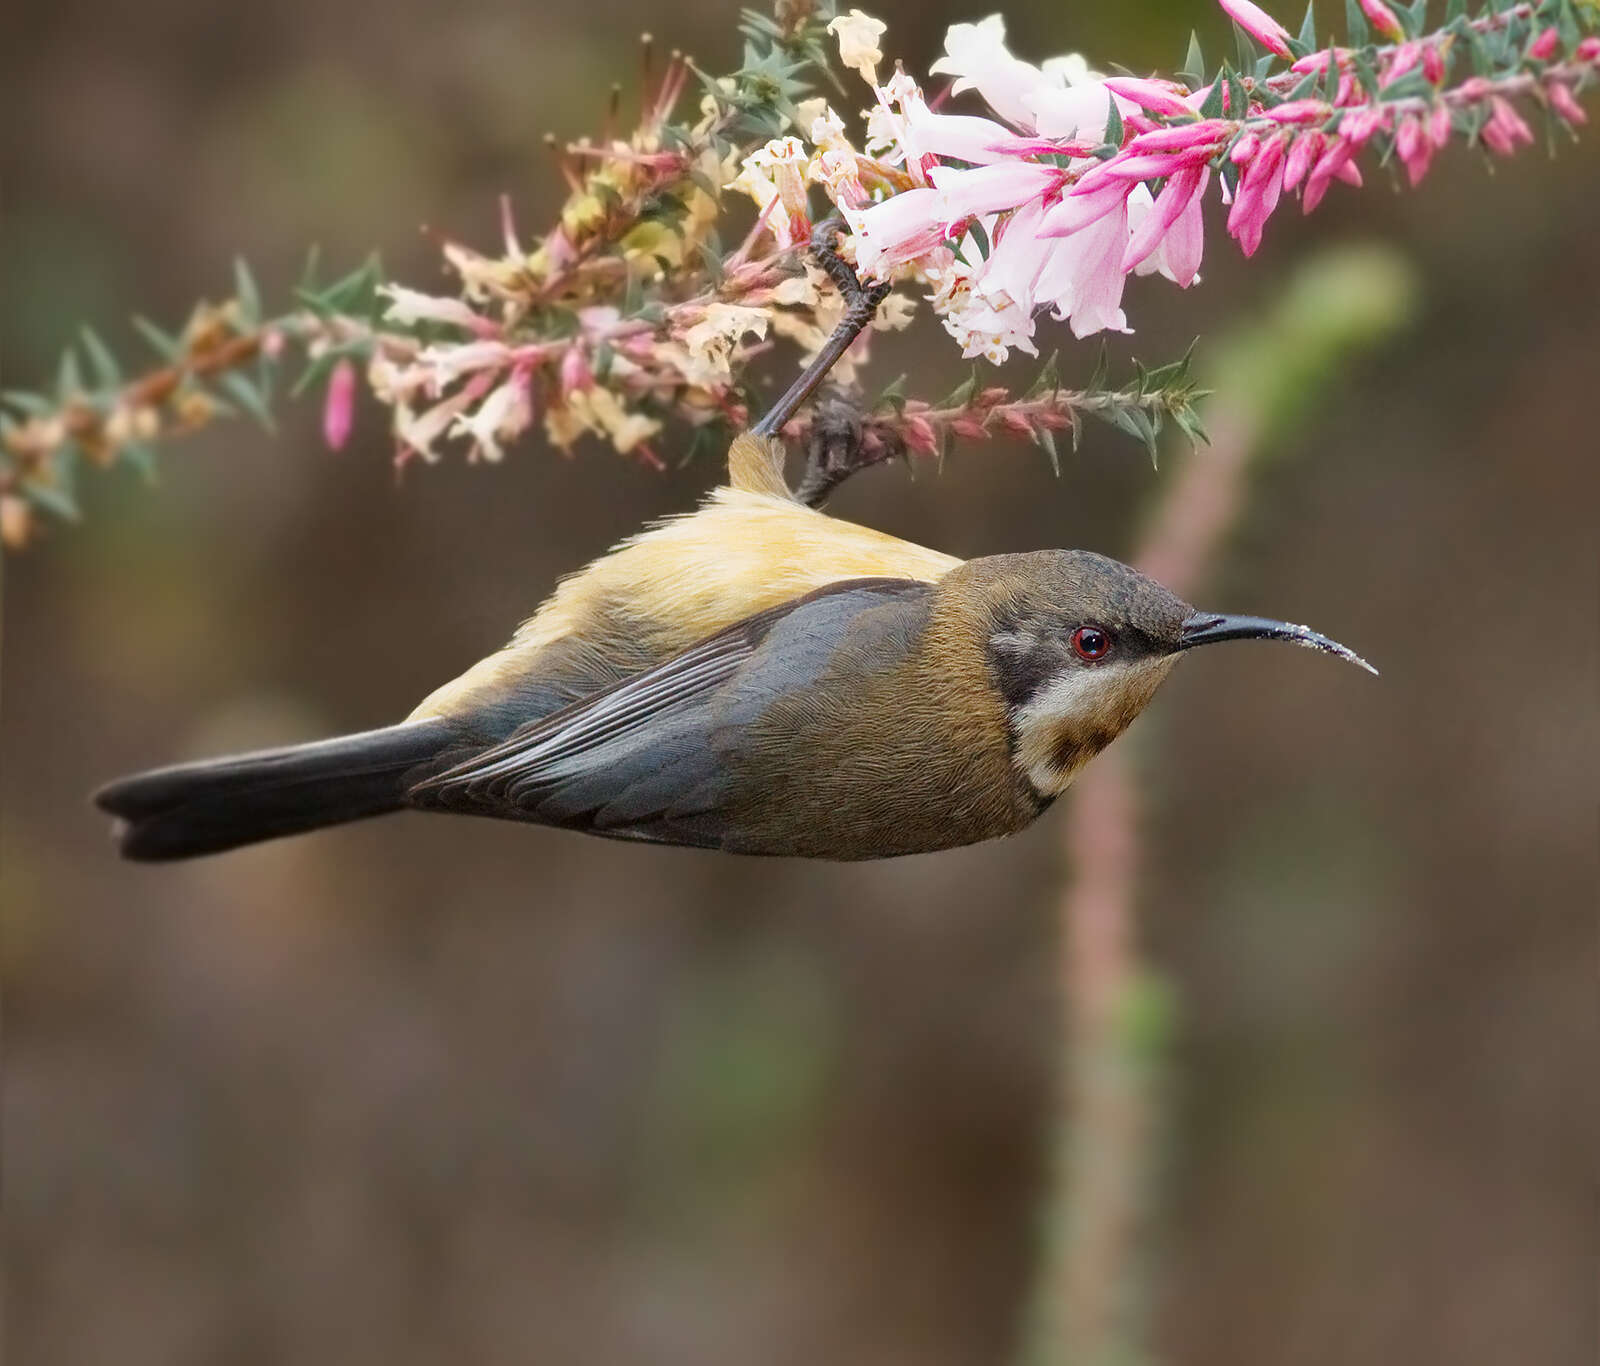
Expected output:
(861, 304)
(838, 445)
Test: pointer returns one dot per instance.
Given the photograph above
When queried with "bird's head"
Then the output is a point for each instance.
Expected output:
(1078, 645)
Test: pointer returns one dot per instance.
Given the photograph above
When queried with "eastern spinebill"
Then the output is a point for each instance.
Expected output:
(756, 677)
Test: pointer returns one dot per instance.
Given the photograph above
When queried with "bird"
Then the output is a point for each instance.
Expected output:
(756, 677)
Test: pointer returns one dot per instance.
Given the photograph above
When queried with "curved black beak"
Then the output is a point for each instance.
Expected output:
(1207, 628)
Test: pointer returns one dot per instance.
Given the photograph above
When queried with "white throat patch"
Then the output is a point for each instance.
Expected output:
(1081, 702)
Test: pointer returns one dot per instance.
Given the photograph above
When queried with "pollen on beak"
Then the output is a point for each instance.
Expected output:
(1208, 628)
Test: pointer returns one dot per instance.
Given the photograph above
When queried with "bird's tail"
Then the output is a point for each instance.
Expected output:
(204, 808)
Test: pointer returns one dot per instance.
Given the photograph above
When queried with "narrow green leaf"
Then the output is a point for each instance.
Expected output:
(1211, 106)
(1244, 47)
(1193, 69)
(1045, 439)
(1102, 367)
(245, 291)
(249, 398)
(1355, 23)
(163, 344)
(69, 376)
(981, 237)
(1308, 28)
(1048, 379)
(107, 373)
(29, 405)
(893, 395)
(56, 498)
(1114, 128)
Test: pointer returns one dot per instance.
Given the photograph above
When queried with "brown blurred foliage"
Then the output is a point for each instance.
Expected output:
(426, 1089)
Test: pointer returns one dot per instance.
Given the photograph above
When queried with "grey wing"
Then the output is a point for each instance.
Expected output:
(645, 759)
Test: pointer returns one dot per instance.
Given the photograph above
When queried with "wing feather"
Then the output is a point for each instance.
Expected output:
(641, 760)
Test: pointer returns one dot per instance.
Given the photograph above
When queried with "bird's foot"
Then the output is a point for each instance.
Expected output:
(839, 443)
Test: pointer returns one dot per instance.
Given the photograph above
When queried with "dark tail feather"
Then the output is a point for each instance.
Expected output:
(204, 808)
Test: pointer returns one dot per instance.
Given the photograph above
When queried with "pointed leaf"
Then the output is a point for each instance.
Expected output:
(106, 371)
(249, 398)
(245, 291)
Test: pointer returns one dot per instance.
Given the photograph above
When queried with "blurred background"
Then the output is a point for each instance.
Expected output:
(423, 1089)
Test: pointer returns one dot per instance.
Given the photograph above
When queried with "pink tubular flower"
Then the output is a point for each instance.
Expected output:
(1181, 137)
(1181, 191)
(1383, 19)
(339, 407)
(1505, 129)
(1415, 148)
(1433, 64)
(1562, 101)
(1085, 277)
(1259, 25)
(1588, 50)
(1085, 206)
(1302, 155)
(1257, 196)
(574, 373)
(1156, 96)
(1543, 48)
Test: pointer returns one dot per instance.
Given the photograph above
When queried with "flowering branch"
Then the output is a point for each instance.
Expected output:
(1080, 180)
(629, 312)
(897, 426)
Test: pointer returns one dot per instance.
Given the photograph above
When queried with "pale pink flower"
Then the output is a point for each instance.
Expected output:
(339, 406)
(896, 231)
(1078, 111)
(965, 194)
(1084, 276)
(1259, 25)
(1588, 50)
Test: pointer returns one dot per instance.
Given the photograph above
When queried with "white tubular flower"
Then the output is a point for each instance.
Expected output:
(826, 128)
(712, 340)
(976, 55)
(777, 172)
(409, 307)
(858, 36)
(506, 413)
(446, 364)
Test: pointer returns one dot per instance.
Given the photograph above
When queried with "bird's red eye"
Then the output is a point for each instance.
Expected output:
(1091, 643)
